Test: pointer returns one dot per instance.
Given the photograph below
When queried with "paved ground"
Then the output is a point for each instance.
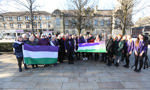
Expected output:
(87, 75)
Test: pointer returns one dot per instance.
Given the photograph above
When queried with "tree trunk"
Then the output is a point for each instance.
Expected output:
(123, 31)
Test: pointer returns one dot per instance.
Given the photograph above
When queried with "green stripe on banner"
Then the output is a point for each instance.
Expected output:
(40, 60)
(93, 50)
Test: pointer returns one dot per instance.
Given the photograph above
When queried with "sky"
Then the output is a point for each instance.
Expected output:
(51, 5)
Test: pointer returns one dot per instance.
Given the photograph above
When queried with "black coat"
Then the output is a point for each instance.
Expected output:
(70, 45)
(109, 46)
(61, 44)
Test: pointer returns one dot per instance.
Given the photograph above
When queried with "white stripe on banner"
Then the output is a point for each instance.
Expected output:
(40, 54)
(91, 47)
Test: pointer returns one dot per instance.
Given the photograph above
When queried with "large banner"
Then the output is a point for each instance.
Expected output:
(92, 47)
(40, 54)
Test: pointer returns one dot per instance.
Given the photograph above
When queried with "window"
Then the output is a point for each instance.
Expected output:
(19, 25)
(117, 21)
(27, 18)
(73, 31)
(57, 21)
(3, 18)
(67, 31)
(40, 25)
(66, 22)
(88, 24)
(40, 17)
(27, 25)
(47, 17)
(102, 22)
(11, 25)
(108, 22)
(11, 18)
(73, 23)
(4, 25)
(35, 17)
(35, 25)
(96, 22)
(48, 25)
(19, 18)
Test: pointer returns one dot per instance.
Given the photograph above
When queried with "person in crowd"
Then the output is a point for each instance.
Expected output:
(97, 40)
(104, 55)
(61, 51)
(124, 50)
(81, 40)
(54, 41)
(128, 50)
(85, 54)
(145, 55)
(37, 38)
(74, 37)
(140, 49)
(25, 38)
(120, 43)
(18, 52)
(70, 49)
(49, 37)
(44, 40)
(25, 41)
(33, 43)
(90, 40)
(109, 48)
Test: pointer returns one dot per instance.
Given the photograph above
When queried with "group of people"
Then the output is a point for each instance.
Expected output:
(118, 48)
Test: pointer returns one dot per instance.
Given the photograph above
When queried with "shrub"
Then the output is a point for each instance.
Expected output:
(6, 47)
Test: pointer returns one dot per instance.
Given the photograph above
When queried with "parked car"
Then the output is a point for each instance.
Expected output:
(9, 37)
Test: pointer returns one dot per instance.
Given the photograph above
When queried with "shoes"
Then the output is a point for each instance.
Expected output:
(71, 63)
(109, 64)
(117, 64)
(26, 68)
(20, 69)
(84, 59)
(126, 66)
(135, 70)
(139, 70)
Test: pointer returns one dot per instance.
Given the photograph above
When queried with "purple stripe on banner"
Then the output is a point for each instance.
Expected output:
(40, 48)
(90, 44)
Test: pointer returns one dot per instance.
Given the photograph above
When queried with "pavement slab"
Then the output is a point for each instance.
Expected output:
(83, 75)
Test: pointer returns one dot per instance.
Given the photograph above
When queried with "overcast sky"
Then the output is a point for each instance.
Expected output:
(51, 5)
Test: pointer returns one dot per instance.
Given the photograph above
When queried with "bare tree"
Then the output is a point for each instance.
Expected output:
(82, 11)
(124, 14)
(31, 7)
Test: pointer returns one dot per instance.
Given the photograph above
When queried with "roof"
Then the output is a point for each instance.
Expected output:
(97, 12)
(24, 13)
(104, 12)
(143, 21)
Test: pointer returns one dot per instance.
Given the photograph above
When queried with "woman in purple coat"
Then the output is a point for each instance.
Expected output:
(130, 48)
(44, 41)
(81, 40)
(140, 49)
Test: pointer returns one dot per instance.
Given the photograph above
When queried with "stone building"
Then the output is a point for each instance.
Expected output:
(142, 26)
(15, 23)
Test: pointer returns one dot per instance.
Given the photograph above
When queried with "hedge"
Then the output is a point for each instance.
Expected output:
(6, 47)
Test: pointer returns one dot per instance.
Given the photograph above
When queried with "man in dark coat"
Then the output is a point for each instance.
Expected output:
(70, 49)
(61, 51)
(109, 48)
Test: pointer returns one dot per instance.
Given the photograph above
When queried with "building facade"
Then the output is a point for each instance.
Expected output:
(142, 26)
(16, 23)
